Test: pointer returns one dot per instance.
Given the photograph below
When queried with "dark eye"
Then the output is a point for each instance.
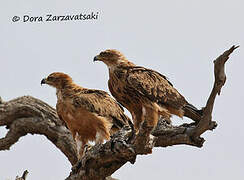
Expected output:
(106, 54)
(102, 54)
(50, 78)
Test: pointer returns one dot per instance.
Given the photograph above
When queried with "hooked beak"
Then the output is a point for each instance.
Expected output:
(43, 81)
(96, 58)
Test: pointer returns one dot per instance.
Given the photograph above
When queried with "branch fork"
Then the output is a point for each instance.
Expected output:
(26, 114)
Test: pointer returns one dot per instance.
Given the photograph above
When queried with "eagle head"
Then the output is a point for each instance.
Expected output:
(57, 79)
(112, 58)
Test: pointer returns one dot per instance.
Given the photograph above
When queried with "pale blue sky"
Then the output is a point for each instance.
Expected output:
(180, 39)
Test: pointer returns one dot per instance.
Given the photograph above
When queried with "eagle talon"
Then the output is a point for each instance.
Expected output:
(115, 145)
(119, 144)
(87, 148)
(131, 138)
(146, 93)
(99, 114)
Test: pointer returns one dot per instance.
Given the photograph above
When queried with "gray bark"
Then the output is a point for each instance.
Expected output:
(27, 114)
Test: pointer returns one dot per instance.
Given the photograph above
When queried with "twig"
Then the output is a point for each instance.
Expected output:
(206, 122)
(29, 115)
(23, 177)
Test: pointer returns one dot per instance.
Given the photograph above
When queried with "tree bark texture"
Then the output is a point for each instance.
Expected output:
(27, 114)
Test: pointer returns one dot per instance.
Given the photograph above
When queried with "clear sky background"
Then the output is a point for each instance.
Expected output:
(180, 39)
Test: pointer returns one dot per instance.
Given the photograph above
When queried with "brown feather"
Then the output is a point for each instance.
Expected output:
(136, 87)
(91, 114)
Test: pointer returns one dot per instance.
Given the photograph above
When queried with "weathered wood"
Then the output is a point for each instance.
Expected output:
(206, 122)
(23, 177)
(29, 115)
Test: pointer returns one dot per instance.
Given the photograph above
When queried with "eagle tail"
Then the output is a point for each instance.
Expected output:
(192, 112)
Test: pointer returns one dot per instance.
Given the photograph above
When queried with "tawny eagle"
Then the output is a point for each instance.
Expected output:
(90, 115)
(146, 93)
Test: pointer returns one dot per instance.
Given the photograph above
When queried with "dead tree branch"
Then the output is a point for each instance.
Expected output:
(206, 122)
(23, 177)
(29, 115)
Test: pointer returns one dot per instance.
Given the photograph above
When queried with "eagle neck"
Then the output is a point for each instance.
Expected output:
(68, 89)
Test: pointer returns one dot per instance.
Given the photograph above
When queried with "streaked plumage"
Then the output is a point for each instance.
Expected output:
(90, 115)
(146, 93)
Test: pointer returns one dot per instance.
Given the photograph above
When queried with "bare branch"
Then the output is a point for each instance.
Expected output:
(29, 115)
(206, 122)
(23, 177)
(167, 135)
(103, 160)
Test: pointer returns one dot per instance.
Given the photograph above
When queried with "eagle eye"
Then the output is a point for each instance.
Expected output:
(50, 78)
(103, 54)
(106, 54)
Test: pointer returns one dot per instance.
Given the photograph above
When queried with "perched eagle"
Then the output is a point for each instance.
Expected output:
(90, 115)
(146, 93)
